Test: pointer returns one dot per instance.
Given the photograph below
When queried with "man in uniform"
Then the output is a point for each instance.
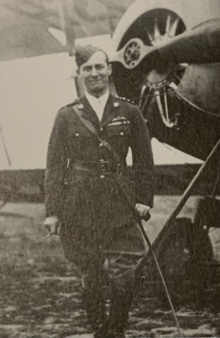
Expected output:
(91, 194)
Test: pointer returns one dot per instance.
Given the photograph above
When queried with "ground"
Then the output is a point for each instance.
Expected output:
(40, 290)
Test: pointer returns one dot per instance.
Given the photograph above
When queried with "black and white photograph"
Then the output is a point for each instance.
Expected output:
(109, 168)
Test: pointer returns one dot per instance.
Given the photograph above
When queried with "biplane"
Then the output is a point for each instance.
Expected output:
(166, 55)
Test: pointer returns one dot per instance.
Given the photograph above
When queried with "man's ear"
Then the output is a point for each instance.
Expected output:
(109, 69)
(78, 72)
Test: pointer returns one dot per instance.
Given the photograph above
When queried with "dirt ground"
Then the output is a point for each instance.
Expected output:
(40, 290)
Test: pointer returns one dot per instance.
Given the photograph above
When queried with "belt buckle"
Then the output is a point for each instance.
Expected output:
(104, 167)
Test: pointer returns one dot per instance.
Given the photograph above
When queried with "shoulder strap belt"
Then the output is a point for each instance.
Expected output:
(92, 129)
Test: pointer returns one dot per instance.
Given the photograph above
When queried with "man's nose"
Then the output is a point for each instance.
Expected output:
(94, 72)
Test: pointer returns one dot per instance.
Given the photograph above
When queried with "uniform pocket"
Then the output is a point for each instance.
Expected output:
(75, 177)
(73, 183)
(120, 130)
(128, 186)
(119, 137)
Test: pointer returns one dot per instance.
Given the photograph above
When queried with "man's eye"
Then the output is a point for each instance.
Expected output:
(87, 69)
(99, 67)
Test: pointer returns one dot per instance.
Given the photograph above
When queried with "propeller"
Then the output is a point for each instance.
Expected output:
(200, 45)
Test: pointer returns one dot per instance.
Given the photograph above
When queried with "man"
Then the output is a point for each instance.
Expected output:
(90, 194)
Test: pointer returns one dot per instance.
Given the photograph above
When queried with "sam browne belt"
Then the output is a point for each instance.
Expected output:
(101, 168)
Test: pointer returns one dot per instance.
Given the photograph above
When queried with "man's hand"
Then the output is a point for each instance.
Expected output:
(143, 211)
(52, 225)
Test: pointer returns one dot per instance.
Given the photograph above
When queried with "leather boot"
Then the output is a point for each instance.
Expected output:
(118, 313)
(94, 305)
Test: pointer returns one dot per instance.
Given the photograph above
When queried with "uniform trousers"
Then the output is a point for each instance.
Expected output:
(107, 273)
(106, 255)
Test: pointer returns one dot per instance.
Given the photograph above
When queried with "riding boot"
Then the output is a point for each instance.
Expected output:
(118, 313)
(94, 306)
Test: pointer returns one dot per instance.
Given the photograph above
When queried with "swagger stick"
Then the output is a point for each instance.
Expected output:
(160, 273)
(146, 238)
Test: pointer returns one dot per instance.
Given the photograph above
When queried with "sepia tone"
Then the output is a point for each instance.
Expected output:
(165, 59)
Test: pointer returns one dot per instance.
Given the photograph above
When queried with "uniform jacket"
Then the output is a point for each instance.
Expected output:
(69, 191)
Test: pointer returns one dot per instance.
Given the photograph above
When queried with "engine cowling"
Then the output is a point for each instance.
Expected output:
(181, 110)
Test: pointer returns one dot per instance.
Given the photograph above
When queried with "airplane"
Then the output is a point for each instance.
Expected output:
(169, 54)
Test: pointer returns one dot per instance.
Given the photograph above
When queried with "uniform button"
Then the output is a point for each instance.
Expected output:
(100, 144)
(122, 133)
(77, 134)
(102, 176)
(101, 129)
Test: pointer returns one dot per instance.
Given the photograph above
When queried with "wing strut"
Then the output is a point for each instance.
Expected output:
(170, 224)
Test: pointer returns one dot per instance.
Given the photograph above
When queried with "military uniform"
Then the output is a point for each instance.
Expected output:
(97, 221)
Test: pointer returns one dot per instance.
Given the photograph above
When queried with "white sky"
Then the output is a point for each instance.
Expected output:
(31, 91)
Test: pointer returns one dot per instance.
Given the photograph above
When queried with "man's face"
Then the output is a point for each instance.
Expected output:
(95, 74)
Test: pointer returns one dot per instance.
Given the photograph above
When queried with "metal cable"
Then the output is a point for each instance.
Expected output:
(8, 159)
(4, 146)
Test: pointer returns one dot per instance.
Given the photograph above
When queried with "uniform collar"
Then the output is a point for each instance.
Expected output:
(93, 100)
(111, 110)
